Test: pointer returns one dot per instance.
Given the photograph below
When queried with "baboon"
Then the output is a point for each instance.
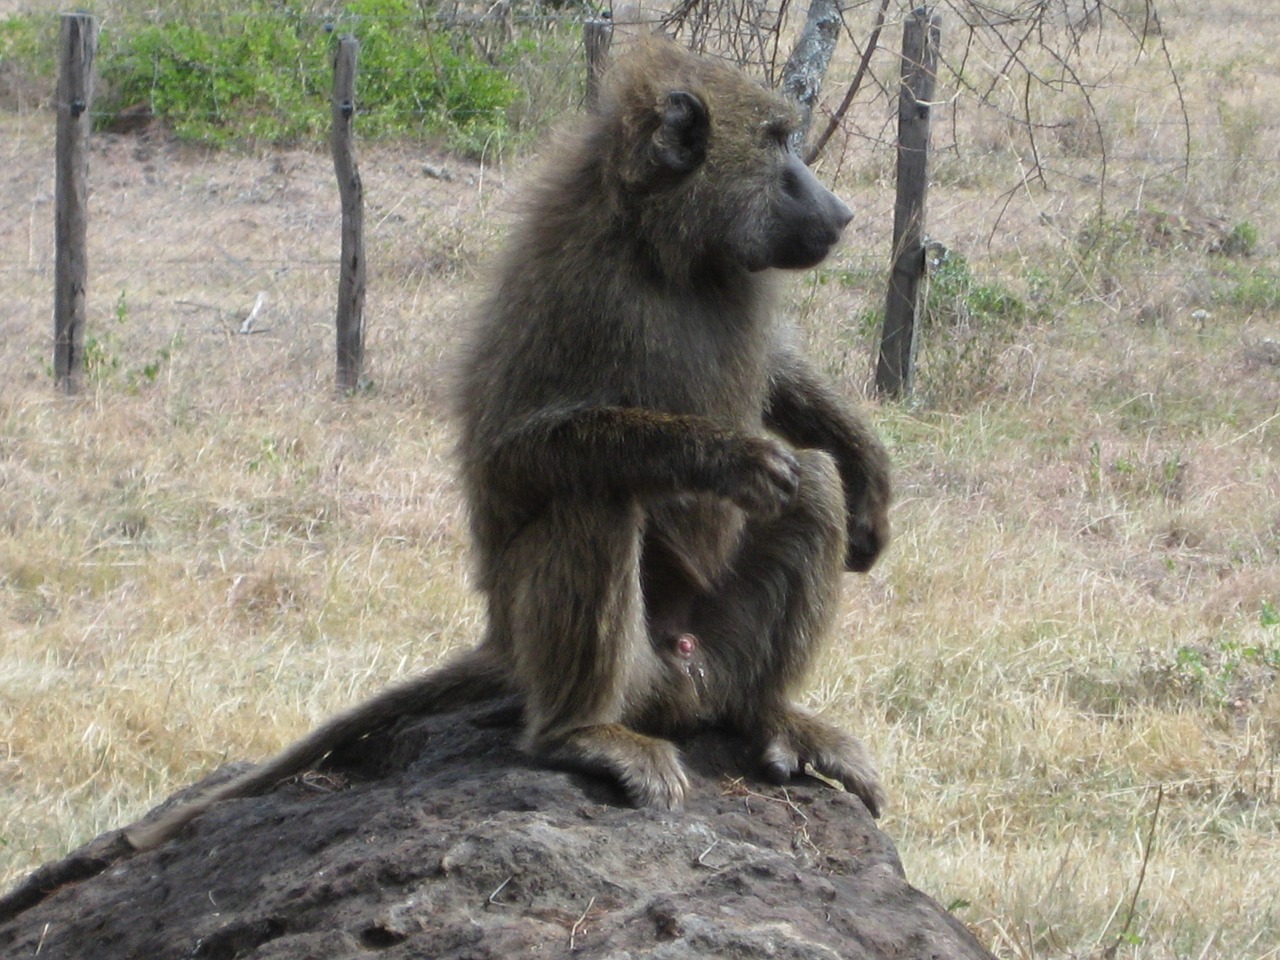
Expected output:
(663, 492)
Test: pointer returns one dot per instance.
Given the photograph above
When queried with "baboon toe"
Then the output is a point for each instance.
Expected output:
(648, 769)
(660, 783)
(811, 746)
(853, 770)
(863, 783)
(779, 763)
(778, 773)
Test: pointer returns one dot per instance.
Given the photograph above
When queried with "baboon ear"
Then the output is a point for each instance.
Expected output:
(680, 142)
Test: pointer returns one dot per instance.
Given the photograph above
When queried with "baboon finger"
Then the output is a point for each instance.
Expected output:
(767, 479)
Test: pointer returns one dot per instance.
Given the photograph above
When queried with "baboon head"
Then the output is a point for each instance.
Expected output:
(704, 155)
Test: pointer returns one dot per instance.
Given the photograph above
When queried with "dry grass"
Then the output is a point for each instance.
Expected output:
(207, 553)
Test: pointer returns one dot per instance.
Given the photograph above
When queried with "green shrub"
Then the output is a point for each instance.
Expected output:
(1242, 241)
(957, 298)
(28, 68)
(265, 75)
(418, 81)
(258, 76)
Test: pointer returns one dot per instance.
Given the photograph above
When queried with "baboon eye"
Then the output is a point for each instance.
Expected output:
(777, 133)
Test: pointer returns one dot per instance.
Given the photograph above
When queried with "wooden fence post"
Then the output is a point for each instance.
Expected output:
(351, 280)
(597, 34)
(71, 197)
(921, 36)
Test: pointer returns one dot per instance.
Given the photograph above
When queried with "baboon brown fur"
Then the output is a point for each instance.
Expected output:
(663, 493)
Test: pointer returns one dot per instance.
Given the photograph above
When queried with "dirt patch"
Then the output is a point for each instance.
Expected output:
(439, 839)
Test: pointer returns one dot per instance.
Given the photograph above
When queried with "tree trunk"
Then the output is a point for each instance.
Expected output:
(807, 66)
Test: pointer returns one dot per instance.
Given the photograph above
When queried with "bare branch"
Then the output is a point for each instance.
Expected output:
(873, 43)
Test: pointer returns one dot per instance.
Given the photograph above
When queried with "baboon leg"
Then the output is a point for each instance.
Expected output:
(775, 604)
(581, 648)
(475, 675)
(765, 622)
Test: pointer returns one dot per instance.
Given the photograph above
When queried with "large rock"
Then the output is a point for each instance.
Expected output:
(440, 840)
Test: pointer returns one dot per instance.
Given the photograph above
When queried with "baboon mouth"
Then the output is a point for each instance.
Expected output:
(804, 256)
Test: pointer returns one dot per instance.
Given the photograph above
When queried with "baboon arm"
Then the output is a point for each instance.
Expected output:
(807, 411)
(608, 451)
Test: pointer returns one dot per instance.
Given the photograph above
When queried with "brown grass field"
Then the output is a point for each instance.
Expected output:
(1066, 663)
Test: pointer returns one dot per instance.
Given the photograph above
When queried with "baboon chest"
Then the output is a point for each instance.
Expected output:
(694, 359)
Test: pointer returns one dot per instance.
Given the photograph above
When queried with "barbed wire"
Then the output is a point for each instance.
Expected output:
(852, 271)
(1125, 126)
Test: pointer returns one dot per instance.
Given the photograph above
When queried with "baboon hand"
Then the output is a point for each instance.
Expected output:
(868, 535)
(766, 478)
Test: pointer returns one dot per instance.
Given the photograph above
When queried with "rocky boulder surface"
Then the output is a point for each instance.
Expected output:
(438, 839)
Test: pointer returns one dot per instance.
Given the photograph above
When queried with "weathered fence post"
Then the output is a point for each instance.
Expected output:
(351, 280)
(71, 197)
(895, 371)
(597, 34)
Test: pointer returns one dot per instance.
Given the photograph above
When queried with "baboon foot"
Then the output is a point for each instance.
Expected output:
(804, 740)
(647, 769)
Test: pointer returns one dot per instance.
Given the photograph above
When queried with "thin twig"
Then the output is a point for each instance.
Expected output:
(855, 85)
(499, 890)
(574, 932)
(700, 861)
(1110, 951)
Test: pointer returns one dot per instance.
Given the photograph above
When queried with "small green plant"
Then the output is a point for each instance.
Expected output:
(1241, 241)
(965, 325)
(104, 354)
(957, 298)
(100, 363)
(1225, 671)
(1247, 289)
(101, 359)
(268, 456)
(1270, 616)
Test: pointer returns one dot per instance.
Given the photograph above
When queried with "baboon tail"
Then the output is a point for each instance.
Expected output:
(473, 676)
